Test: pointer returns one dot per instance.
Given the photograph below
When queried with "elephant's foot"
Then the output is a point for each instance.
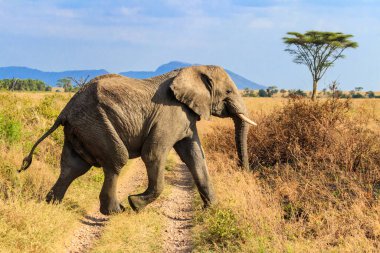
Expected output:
(208, 204)
(52, 198)
(138, 202)
(113, 207)
(209, 201)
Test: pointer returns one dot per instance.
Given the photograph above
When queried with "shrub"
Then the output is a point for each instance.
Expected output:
(48, 108)
(297, 93)
(321, 134)
(262, 93)
(10, 129)
(358, 95)
(222, 229)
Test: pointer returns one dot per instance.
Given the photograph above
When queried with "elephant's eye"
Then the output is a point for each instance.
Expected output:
(228, 91)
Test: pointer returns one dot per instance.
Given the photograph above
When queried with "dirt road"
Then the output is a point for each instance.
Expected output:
(93, 223)
(177, 207)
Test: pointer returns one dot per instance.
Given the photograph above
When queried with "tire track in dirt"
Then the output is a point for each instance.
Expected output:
(178, 209)
(94, 222)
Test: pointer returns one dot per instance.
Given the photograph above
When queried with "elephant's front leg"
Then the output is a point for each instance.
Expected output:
(154, 157)
(191, 153)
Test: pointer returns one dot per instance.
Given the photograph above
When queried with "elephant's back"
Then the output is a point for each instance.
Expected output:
(110, 90)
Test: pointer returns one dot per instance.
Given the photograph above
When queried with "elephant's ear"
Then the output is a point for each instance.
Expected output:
(191, 87)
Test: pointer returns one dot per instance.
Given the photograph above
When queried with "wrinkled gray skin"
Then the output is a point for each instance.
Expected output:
(115, 118)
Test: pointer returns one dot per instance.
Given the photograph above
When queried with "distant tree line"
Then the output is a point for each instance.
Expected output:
(268, 92)
(332, 92)
(23, 85)
(16, 84)
(272, 90)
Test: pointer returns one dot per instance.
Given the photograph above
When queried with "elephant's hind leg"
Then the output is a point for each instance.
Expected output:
(72, 166)
(154, 157)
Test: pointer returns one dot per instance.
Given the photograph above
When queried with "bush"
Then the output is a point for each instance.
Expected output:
(296, 93)
(10, 129)
(262, 93)
(358, 95)
(317, 133)
(223, 229)
(48, 108)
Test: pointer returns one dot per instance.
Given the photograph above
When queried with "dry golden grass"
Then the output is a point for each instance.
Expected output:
(314, 185)
(30, 226)
(27, 223)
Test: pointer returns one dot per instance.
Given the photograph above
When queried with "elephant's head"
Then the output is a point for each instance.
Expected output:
(208, 90)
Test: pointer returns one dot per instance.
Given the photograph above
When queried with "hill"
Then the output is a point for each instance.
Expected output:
(51, 78)
(240, 81)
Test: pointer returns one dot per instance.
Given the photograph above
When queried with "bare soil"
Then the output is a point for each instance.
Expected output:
(178, 209)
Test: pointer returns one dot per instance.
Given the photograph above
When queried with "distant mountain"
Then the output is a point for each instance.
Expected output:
(51, 78)
(240, 81)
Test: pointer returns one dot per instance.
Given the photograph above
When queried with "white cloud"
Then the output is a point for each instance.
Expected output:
(261, 23)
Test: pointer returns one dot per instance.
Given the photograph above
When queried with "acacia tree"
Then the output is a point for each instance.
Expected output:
(318, 51)
(65, 83)
(271, 90)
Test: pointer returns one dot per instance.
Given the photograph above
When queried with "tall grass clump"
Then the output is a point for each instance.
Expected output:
(322, 132)
(321, 164)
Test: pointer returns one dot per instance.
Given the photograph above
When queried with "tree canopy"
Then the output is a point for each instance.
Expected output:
(23, 85)
(318, 50)
(65, 83)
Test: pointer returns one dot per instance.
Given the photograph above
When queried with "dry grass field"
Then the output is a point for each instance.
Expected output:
(314, 184)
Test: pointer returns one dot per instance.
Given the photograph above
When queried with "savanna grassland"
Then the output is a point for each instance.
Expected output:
(314, 184)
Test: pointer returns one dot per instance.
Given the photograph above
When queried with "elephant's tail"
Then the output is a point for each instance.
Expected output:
(28, 160)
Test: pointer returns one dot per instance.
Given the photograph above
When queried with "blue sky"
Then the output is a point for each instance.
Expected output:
(243, 36)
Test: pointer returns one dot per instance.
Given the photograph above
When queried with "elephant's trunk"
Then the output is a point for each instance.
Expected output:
(241, 134)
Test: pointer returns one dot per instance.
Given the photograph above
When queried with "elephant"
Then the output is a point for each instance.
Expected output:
(114, 118)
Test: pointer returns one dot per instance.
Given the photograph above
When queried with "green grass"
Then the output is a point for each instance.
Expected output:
(221, 230)
(10, 129)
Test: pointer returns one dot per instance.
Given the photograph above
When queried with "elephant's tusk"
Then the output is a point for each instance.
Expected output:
(243, 117)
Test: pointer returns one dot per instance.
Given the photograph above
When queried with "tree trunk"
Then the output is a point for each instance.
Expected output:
(241, 134)
(314, 94)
